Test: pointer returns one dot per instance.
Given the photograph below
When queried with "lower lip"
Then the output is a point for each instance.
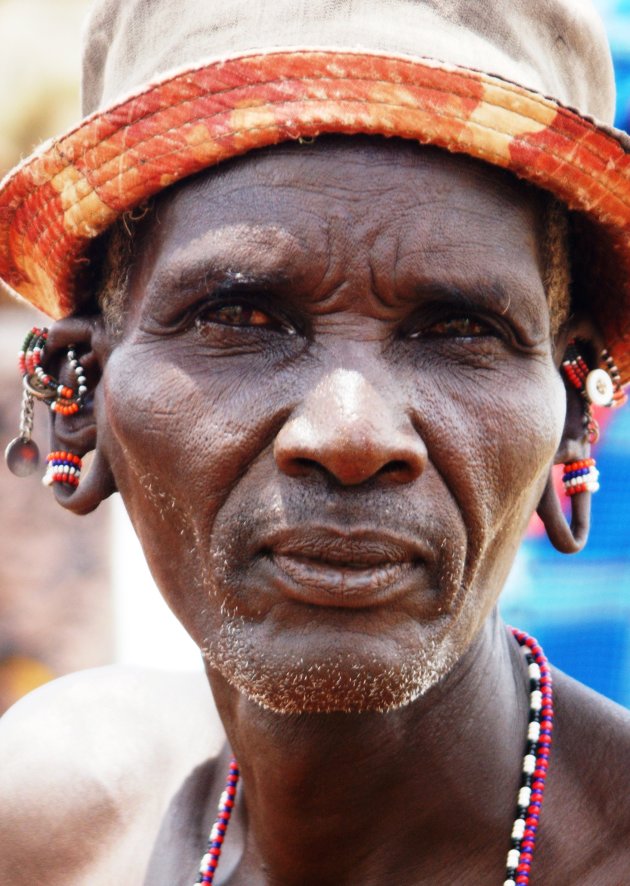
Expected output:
(330, 584)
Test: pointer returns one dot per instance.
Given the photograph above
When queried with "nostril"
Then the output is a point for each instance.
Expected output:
(306, 464)
(395, 467)
(301, 467)
(351, 471)
(400, 471)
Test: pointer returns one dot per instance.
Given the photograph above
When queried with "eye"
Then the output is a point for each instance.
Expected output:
(240, 315)
(235, 315)
(456, 326)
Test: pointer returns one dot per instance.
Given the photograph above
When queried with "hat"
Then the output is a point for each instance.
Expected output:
(175, 86)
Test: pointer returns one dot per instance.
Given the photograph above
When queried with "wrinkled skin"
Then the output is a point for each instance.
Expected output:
(331, 412)
(350, 409)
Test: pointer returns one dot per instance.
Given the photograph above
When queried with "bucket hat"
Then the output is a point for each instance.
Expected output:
(171, 87)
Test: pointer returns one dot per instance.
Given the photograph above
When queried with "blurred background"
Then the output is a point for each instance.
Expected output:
(75, 593)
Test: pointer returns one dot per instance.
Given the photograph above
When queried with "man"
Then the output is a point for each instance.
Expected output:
(326, 380)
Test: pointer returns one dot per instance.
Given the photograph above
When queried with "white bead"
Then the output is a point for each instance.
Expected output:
(535, 700)
(204, 862)
(518, 830)
(514, 856)
(599, 387)
(510, 883)
(534, 671)
(524, 796)
(533, 731)
(529, 764)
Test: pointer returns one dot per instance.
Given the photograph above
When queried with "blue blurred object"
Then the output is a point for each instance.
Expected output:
(616, 15)
(579, 607)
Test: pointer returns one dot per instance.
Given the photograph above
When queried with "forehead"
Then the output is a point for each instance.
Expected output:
(342, 204)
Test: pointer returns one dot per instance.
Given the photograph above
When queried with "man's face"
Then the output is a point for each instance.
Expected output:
(332, 412)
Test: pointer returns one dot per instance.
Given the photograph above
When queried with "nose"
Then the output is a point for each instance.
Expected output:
(348, 430)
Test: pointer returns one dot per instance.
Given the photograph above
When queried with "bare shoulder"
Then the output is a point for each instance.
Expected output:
(89, 764)
(589, 778)
(598, 731)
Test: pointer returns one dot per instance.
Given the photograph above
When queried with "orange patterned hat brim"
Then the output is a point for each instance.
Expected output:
(74, 188)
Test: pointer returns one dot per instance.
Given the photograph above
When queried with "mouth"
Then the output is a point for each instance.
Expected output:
(336, 568)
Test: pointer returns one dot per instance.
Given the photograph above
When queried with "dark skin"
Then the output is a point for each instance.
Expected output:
(331, 413)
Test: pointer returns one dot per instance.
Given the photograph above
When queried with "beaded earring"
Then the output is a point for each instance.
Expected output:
(580, 476)
(598, 387)
(64, 468)
(22, 454)
(619, 397)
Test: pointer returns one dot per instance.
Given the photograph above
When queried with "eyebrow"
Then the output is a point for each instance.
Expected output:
(471, 294)
(476, 294)
(203, 276)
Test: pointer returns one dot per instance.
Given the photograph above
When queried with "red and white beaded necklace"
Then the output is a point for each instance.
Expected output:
(530, 795)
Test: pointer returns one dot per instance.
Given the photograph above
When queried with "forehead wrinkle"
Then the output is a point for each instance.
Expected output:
(421, 240)
(430, 263)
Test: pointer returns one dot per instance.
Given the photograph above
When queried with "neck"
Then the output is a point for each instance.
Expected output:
(395, 797)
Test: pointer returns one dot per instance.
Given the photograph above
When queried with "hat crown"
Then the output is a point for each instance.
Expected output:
(554, 47)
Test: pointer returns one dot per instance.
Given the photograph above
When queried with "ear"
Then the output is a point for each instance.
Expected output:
(78, 433)
(574, 446)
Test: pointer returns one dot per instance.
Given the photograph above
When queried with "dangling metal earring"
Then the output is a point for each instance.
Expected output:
(22, 454)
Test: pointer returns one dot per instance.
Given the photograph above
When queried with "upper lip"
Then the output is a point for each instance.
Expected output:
(357, 548)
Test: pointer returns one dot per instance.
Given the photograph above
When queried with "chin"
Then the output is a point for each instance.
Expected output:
(345, 681)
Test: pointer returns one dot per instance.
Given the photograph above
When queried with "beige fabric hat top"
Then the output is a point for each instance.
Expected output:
(174, 86)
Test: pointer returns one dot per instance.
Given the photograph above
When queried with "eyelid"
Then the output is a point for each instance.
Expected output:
(253, 300)
(445, 316)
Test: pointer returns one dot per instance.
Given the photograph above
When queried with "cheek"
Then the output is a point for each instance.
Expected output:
(492, 436)
(176, 453)
(525, 429)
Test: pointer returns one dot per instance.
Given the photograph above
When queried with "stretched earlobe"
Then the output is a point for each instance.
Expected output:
(62, 368)
(568, 539)
(91, 491)
(586, 386)
(76, 433)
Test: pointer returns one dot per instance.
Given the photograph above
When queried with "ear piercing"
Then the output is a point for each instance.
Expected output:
(44, 386)
(22, 454)
(598, 387)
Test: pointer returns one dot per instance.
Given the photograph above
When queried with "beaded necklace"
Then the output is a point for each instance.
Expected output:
(530, 795)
